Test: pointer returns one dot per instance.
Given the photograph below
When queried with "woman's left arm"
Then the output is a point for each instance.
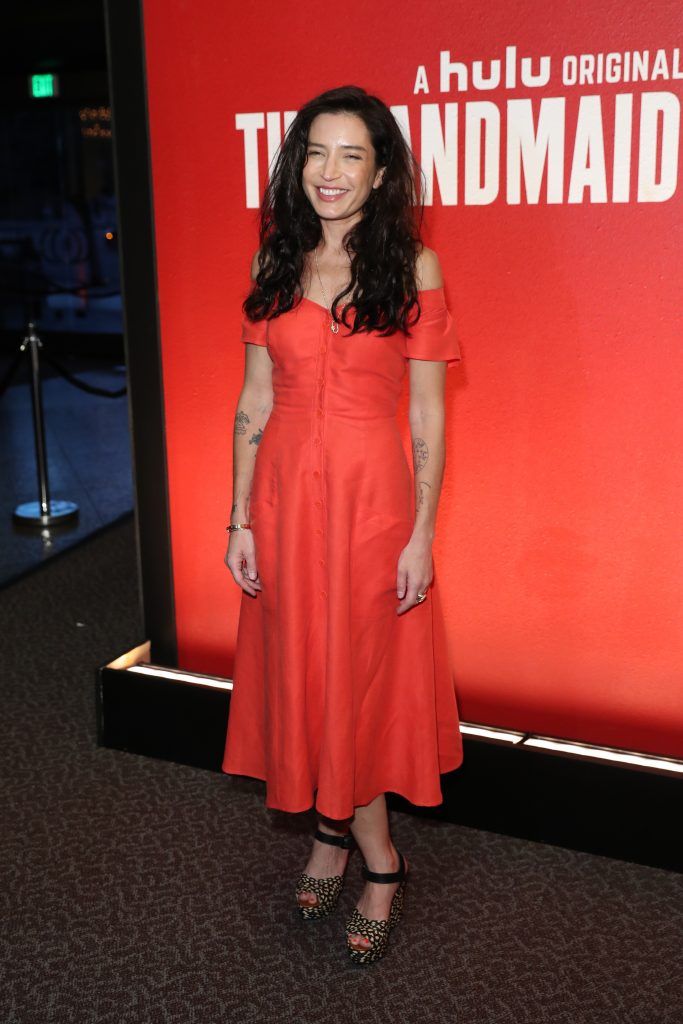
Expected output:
(427, 417)
(427, 414)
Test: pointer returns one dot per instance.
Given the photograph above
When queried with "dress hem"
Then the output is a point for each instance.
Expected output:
(343, 817)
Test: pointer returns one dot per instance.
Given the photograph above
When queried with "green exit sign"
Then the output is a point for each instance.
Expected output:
(43, 85)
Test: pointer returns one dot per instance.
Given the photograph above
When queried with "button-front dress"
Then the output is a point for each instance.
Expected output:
(336, 698)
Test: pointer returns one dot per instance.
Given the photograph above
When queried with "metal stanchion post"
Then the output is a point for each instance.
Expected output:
(45, 511)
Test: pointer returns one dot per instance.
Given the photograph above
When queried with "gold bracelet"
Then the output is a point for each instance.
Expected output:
(238, 526)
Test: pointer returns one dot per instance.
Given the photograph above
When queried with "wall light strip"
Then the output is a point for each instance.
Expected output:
(490, 732)
(606, 754)
(212, 682)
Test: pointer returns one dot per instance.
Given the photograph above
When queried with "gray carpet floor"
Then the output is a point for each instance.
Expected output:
(138, 891)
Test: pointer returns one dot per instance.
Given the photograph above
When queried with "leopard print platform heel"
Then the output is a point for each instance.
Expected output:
(377, 932)
(326, 890)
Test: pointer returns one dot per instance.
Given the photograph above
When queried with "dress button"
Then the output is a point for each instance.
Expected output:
(323, 593)
(316, 472)
(321, 382)
(320, 412)
(323, 350)
(316, 440)
(318, 504)
(321, 561)
(319, 532)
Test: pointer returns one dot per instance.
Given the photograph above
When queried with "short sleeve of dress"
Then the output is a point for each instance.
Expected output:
(434, 335)
(255, 333)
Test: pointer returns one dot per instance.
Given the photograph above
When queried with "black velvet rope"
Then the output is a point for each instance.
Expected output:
(92, 389)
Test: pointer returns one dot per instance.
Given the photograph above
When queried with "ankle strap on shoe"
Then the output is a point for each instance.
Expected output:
(347, 842)
(385, 876)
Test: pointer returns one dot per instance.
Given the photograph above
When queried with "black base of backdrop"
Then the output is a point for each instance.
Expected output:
(599, 808)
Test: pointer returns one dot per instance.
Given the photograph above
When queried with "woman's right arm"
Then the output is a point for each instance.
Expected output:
(254, 406)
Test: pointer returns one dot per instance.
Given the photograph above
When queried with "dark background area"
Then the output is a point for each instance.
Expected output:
(59, 267)
(58, 218)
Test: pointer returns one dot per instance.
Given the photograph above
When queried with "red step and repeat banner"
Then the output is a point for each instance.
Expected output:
(551, 147)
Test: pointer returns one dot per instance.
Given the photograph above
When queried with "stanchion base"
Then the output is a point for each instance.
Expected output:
(31, 513)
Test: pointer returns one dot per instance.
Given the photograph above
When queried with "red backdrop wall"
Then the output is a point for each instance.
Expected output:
(559, 545)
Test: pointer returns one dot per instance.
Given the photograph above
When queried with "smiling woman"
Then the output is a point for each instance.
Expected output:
(347, 166)
(340, 172)
(343, 160)
(342, 687)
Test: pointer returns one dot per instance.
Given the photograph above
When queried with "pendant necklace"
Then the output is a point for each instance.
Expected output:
(334, 326)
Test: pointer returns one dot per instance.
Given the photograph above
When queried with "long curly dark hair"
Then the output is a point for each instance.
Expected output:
(382, 245)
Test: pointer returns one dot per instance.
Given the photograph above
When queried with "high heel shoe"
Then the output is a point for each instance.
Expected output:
(326, 890)
(377, 932)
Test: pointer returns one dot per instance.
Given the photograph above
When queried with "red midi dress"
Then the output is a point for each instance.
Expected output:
(336, 698)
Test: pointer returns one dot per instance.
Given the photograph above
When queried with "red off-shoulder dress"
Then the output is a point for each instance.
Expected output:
(336, 698)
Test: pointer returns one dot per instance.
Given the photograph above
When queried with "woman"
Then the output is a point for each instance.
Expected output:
(342, 688)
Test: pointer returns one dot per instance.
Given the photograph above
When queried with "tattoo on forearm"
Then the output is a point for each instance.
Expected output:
(421, 493)
(241, 420)
(420, 453)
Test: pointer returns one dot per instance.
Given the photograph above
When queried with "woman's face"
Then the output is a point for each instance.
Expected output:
(340, 170)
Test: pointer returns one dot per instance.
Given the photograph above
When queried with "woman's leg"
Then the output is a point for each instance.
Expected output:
(325, 860)
(370, 827)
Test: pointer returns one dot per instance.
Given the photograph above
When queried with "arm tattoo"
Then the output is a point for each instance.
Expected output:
(241, 420)
(421, 493)
(420, 453)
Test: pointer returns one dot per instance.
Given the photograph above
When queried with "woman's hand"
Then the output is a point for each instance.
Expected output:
(414, 573)
(240, 559)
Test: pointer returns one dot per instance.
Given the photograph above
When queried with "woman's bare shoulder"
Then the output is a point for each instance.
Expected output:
(428, 269)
